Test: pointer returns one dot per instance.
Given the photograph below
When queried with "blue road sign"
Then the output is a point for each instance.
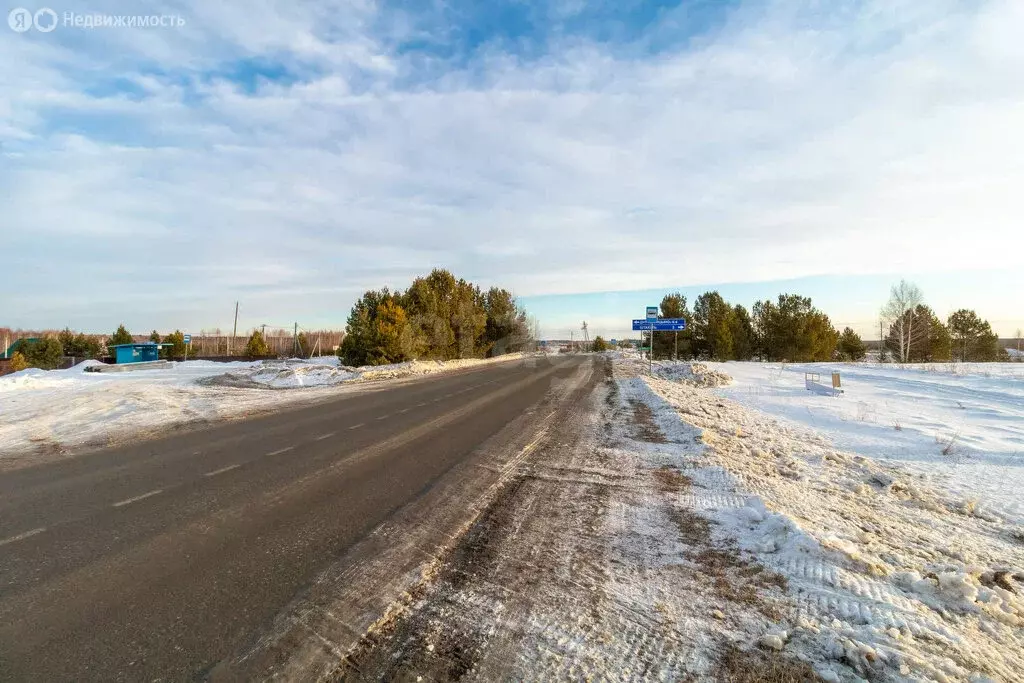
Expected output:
(663, 325)
(652, 313)
(188, 338)
(614, 341)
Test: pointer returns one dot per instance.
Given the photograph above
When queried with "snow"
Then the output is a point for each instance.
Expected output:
(53, 411)
(958, 426)
(890, 574)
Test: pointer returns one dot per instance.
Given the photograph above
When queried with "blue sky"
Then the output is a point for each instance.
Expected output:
(587, 155)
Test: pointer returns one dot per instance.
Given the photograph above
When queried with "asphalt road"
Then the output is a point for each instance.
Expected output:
(156, 560)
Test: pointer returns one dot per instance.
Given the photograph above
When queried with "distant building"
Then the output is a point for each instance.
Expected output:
(136, 353)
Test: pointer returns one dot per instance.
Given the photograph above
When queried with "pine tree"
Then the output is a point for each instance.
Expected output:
(18, 362)
(178, 348)
(973, 338)
(392, 335)
(46, 353)
(851, 347)
(121, 336)
(793, 329)
(600, 345)
(256, 346)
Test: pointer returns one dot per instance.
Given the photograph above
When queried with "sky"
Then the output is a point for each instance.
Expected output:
(588, 156)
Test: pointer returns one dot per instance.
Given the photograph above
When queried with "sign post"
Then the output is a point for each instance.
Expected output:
(187, 338)
(654, 324)
(652, 316)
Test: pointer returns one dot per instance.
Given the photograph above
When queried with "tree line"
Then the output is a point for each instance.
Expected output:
(439, 317)
(788, 328)
(917, 335)
(791, 328)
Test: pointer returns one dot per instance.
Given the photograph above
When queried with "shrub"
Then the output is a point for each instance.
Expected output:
(256, 346)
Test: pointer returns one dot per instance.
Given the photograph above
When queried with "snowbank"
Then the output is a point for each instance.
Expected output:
(51, 412)
(888, 577)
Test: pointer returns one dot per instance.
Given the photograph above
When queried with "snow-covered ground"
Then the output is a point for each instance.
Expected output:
(888, 576)
(957, 426)
(54, 411)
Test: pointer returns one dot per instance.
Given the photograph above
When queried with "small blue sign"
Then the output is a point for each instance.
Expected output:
(188, 338)
(663, 325)
(614, 341)
(652, 313)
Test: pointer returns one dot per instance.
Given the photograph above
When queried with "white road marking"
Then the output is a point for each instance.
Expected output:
(22, 536)
(325, 436)
(222, 470)
(420, 405)
(281, 450)
(384, 417)
(404, 410)
(129, 501)
(361, 424)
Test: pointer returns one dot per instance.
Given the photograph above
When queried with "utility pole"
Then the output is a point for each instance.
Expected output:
(572, 344)
(295, 341)
(586, 337)
(234, 331)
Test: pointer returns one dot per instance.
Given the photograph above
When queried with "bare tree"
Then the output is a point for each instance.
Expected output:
(904, 299)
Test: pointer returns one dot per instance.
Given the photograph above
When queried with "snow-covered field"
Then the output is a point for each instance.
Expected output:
(53, 411)
(957, 426)
(891, 573)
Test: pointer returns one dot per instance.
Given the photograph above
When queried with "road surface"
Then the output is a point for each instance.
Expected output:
(167, 558)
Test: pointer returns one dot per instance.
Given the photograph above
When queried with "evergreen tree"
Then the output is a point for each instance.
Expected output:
(741, 328)
(674, 306)
(255, 347)
(794, 330)
(67, 341)
(851, 347)
(178, 348)
(712, 327)
(507, 329)
(18, 362)
(46, 353)
(973, 338)
(600, 345)
(392, 334)
(438, 317)
(78, 345)
(120, 336)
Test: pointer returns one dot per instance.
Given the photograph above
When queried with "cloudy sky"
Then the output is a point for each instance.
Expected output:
(292, 154)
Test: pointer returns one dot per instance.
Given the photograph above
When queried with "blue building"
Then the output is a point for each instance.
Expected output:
(136, 353)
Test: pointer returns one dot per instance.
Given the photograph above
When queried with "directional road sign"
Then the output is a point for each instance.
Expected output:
(663, 325)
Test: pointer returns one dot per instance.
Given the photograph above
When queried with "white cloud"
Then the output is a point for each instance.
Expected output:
(784, 144)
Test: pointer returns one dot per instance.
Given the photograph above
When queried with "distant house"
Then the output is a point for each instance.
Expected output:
(18, 344)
